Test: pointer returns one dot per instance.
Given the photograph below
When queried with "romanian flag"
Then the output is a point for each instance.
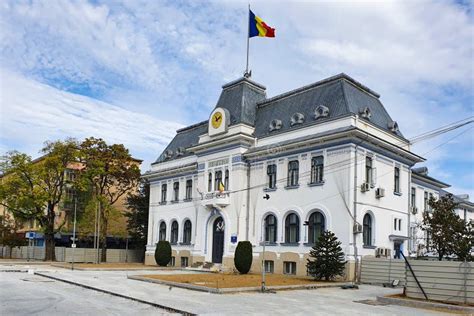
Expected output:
(259, 28)
(221, 187)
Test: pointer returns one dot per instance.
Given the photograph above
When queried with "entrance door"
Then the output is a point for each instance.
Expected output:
(218, 240)
(397, 245)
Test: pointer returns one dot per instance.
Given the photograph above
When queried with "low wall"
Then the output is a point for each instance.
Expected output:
(447, 281)
(382, 270)
(64, 254)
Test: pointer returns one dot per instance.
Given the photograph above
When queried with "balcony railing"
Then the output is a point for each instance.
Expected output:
(216, 199)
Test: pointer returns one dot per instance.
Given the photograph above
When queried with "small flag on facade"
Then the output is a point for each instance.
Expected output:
(221, 187)
(259, 28)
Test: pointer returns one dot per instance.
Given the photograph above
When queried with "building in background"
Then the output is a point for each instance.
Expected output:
(326, 156)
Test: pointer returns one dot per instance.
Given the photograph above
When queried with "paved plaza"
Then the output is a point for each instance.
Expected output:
(28, 294)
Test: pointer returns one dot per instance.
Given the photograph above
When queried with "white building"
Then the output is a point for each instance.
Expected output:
(326, 156)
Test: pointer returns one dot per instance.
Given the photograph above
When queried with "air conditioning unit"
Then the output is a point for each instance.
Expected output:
(357, 228)
(379, 192)
(365, 187)
(383, 252)
(414, 210)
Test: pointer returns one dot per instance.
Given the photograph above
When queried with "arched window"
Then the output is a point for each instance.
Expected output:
(217, 180)
(367, 230)
(174, 232)
(292, 228)
(209, 183)
(226, 180)
(316, 226)
(162, 235)
(187, 232)
(270, 228)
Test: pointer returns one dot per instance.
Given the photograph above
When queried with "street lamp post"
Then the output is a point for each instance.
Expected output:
(263, 264)
(74, 231)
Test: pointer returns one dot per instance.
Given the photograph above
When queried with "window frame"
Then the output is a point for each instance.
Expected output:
(271, 175)
(189, 189)
(367, 230)
(292, 265)
(164, 192)
(369, 166)
(209, 182)
(162, 231)
(314, 225)
(176, 191)
(267, 229)
(174, 232)
(288, 228)
(269, 266)
(413, 197)
(217, 179)
(187, 232)
(396, 180)
(317, 169)
(226, 180)
(293, 173)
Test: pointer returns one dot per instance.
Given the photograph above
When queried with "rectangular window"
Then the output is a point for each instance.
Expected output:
(226, 180)
(172, 262)
(425, 201)
(396, 180)
(293, 173)
(317, 168)
(269, 266)
(394, 224)
(397, 224)
(176, 191)
(368, 169)
(413, 197)
(271, 173)
(184, 262)
(209, 182)
(289, 267)
(189, 189)
(400, 224)
(163, 192)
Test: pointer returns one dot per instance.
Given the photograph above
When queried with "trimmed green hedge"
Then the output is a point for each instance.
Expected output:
(163, 253)
(243, 257)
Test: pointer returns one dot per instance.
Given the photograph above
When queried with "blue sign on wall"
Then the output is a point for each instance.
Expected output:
(233, 239)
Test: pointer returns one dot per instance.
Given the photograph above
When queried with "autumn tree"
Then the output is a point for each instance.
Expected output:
(33, 189)
(443, 225)
(138, 205)
(111, 172)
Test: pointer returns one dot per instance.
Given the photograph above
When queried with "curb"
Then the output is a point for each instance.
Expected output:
(167, 308)
(423, 304)
(206, 289)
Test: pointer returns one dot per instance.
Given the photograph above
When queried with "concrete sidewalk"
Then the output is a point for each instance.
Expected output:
(332, 301)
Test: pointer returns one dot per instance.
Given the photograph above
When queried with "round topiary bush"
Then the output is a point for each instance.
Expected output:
(243, 257)
(163, 253)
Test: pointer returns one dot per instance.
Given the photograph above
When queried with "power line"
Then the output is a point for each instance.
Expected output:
(346, 162)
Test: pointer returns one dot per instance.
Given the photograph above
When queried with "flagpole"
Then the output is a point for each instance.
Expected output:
(246, 74)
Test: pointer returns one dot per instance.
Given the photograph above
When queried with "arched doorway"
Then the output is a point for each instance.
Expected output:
(218, 229)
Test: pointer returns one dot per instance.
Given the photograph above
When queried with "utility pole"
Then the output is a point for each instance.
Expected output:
(74, 231)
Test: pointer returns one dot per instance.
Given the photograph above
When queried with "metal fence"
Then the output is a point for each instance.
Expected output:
(446, 281)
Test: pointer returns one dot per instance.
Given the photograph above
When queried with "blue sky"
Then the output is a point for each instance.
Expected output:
(135, 71)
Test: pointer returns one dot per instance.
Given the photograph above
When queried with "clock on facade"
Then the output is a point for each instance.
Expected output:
(218, 121)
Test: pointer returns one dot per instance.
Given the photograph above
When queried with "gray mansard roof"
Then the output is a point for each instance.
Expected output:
(246, 102)
(340, 94)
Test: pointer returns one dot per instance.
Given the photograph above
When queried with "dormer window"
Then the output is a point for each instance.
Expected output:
(274, 125)
(365, 113)
(180, 152)
(296, 119)
(321, 111)
(393, 126)
(168, 154)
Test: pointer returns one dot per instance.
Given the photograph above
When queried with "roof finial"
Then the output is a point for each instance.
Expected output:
(248, 74)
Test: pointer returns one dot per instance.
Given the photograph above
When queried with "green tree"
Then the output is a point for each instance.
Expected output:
(443, 225)
(163, 253)
(137, 225)
(33, 189)
(9, 235)
(243, 257)
(326, 257)
(111, 172)
(465, 243)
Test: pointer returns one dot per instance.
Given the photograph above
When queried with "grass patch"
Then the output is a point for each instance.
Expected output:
(218, 280)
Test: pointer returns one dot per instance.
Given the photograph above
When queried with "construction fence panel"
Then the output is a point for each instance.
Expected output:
(382, 270)
(447, 281)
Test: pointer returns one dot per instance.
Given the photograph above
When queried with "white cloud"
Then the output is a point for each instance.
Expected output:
(32, 113)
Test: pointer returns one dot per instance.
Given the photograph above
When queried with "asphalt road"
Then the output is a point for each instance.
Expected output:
(25, 294)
